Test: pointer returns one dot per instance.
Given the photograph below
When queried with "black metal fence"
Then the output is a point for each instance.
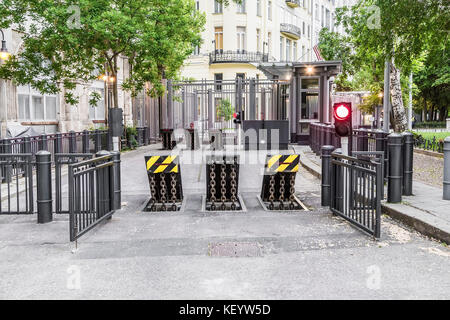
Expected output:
(62, 160)
(436, 145)
(357, 191)
(91, 194)
(16, 193)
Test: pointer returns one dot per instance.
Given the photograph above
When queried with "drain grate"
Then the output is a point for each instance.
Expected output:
(235, 249)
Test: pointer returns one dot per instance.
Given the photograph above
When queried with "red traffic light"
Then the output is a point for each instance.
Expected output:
(235, 115)
(343, 119)
(342, 112)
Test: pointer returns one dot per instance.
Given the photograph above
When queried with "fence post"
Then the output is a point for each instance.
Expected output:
(326, 175)
(338, 184)
(27, 144)
(447, 168)
(104, 187)
(408, 158)
(395, 176)
(364, 140)
(252, 90)
(117, 200)
(7, 148)
(97, 141)
(85, 141)
(109, 142)
(58, 143)
(43, 143)
(72, 142)
(44, 186)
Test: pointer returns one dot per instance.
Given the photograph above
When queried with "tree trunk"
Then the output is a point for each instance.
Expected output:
(398, 109)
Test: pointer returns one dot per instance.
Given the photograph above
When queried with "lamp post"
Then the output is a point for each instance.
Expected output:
(4, 54)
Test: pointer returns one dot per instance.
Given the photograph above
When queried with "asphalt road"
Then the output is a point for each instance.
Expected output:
(280, 255)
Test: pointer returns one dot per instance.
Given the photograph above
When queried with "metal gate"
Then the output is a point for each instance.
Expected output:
(91, 194)
(16, 184)
(357, 191)
(62, 161)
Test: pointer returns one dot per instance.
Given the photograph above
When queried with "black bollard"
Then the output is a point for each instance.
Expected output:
(408, 158)
(326, 175)
(44, 186)
(117, 181)
(395, 176)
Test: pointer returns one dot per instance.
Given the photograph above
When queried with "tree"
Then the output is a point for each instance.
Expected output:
(398, 31)
(76, 41)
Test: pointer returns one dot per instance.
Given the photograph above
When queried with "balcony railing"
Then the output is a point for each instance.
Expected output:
(293, 3)
(220, 56)
(290, 30)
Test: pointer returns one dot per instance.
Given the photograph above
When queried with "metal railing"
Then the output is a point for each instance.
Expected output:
(429, 144)
(291, 29)
(220, 56)
(357, 191)
(91, 194)
(62, 160)
(16, 194)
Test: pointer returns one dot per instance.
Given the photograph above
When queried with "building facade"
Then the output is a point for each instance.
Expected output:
(240, 36)
(24, 106)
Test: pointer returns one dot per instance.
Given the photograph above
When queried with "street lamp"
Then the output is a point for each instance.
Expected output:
(4, 54)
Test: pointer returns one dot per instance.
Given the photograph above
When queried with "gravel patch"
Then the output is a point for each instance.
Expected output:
(428, 169)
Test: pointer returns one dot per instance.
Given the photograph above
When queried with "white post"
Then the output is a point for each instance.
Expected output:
(344, 146)
(115, 141)
(410, 102)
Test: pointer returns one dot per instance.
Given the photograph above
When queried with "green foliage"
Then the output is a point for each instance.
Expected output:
(225, 110)
(131, 133)
(414, 34)
(62, 48)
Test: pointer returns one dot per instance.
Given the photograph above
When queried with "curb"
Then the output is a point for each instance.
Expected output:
(417, 224)
(429, 153)
(413, 222)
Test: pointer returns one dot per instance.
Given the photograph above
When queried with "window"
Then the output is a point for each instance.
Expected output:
(218, 7)
(322, 19)
(258, 8)
(288, 50)
(196, 50)
(269, 43)
(281, 49)
(218, 78)
(97, 112)
(197, 5)
(269, 10)
(241, 7)
(309, 31)
(294, 53)
(303, 52)
(304, 28)
(240, 39)
(35, 106)
(258, 40)
(218, 36)
(317, 12)
(240, 75)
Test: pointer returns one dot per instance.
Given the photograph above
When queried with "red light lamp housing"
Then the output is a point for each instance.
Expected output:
(343, 118)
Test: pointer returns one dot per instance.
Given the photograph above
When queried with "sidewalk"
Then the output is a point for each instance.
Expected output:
(425, 211)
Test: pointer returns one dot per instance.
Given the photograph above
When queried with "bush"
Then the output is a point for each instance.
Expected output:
(430, 125)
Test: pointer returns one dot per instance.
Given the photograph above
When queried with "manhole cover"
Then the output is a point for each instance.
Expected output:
(235, 249)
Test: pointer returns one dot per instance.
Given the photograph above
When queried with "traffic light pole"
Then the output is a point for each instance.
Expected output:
(344, 146)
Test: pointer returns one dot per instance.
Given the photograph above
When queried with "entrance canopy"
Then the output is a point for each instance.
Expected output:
(285, 70)
(309, 94)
